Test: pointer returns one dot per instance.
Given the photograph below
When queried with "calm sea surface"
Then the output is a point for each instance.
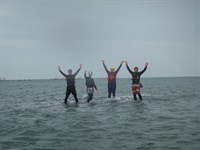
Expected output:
(33, 116)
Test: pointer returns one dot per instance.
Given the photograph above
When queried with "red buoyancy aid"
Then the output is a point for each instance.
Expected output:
(111, 76)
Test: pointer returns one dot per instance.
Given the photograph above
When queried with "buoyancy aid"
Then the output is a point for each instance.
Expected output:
(111, 76)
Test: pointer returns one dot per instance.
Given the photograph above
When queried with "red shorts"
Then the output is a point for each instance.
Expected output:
(136, 88)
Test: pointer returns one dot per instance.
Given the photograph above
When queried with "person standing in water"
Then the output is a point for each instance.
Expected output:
(136, 80)
(70, 78)
(112, 74)
(90, 85)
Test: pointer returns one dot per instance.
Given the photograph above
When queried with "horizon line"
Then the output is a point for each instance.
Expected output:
(4, 79)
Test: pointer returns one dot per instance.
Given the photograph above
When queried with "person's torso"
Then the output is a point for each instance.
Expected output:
(136, 77)
(89, 82)
(112, 76)
(70, 80)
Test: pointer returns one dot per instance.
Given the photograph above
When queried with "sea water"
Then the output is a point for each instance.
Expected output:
(33, 116)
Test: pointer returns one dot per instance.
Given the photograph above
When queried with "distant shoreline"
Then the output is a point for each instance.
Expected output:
(97, 78)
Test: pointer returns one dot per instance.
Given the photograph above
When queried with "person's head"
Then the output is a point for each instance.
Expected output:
(136, 69)
(90, 73)
(112, 69)
(70, 71)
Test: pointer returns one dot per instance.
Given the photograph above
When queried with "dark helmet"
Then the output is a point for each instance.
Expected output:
(70, 71)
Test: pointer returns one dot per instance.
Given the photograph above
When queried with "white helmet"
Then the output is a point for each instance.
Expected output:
(90, 73)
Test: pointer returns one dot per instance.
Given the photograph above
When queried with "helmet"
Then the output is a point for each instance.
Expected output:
(70, 71)
(112, 69)
(90, 73)
(136, 68)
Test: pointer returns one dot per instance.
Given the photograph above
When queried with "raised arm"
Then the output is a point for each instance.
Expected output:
(119, 67)
(145, 68)
(78, 70)
(128, 67)
(59, 68)
(105, 66)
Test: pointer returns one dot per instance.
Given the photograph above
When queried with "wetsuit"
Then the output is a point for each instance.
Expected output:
(90, 87)
(136, 82)
(112, 80)
(70, 85)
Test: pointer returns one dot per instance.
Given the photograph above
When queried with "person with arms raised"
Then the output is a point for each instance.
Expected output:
(136, 80)
(112, 74)
(90, 85)
(70, 78)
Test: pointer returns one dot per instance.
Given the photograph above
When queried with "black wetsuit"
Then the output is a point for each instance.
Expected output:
(70, 85)
(90, 87)
(136, 79)
(112, 80)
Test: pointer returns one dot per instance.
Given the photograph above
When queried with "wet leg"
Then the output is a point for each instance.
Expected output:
(67, 95)
(135, 97)
(109, 94)
(90, 96)
(75, 95)
(114, 94)
(140, 96)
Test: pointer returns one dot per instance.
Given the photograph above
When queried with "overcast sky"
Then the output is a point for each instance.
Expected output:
(39, 35)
